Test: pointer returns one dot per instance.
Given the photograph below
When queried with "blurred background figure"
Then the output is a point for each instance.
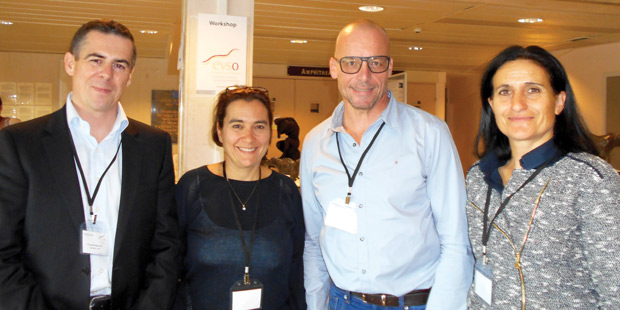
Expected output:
(543, 208)
(6, 121)
(240, 220)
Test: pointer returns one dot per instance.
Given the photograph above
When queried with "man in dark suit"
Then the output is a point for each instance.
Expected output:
(87, 213)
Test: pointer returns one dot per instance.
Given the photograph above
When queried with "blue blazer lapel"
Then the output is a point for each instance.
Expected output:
(57, 144)
(133, 153)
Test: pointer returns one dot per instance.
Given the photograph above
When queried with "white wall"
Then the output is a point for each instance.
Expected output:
(587, 69)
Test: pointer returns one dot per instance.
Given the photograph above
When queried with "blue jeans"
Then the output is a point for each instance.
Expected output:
(343, 300)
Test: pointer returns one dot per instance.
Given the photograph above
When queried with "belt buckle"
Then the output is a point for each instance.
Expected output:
(98, 302)
(383, 299)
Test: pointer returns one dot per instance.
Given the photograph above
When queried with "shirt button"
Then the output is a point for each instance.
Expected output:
(363, 271)
(362, 239)
(101, 270)
(346, 297)
(361, 173)
(361, 206)
(354, 144)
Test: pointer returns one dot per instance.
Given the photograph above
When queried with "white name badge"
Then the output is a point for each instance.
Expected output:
(94, 243)
(342, 216)
(246, 296)
(93, 239)
(483, 282)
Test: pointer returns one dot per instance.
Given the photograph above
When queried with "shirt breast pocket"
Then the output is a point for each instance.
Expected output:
(401, 177)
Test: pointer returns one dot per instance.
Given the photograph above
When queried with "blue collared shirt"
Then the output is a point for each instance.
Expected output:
(410, 205)
(94, 159)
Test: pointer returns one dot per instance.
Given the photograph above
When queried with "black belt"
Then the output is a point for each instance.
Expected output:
(101, 302)
(413, 298)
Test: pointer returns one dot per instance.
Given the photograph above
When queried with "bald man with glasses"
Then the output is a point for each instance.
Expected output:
(383, 194)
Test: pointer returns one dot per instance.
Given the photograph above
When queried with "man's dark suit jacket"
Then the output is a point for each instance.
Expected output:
(41, 212)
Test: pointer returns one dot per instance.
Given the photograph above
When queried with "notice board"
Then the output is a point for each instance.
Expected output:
(165, 111)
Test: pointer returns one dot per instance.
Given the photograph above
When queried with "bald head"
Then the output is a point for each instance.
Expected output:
(359, 33)
(360, 43)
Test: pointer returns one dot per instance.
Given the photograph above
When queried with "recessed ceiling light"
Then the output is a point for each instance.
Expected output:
(148, 31)
(415, 48)
(6, 22)
(299, 41)
(530, 20)
(370, 8)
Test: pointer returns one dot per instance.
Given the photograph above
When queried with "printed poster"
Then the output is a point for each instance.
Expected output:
(221, 52)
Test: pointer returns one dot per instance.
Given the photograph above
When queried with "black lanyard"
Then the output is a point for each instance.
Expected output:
(486, 228)
(359, 163)
(89, 198)
(247, 250)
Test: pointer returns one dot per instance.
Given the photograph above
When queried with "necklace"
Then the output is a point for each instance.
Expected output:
(233, 190)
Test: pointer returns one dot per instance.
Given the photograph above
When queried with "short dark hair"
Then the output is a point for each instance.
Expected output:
(569, 132)
(237, 93)
(106, 26)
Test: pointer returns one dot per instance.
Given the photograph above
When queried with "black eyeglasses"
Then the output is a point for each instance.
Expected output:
(353, 64)
(243, 87)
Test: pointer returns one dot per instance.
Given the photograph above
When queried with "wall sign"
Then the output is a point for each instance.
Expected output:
(221, 52)
(308, 71)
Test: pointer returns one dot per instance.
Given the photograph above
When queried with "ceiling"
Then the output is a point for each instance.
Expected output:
(455, 36)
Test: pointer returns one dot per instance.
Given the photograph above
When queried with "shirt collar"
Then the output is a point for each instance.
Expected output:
(74, 119)
(390, 115)
(539, 155)
(489, 164)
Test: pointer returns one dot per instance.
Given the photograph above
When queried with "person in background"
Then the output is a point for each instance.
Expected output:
(6, 121)
(241, 223)
(383, 193)
(543, 209)
(87, 212)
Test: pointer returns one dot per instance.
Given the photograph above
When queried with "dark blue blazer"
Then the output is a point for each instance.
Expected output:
(41, 212)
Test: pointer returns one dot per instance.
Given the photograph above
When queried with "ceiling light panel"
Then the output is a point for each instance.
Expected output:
(370, 8)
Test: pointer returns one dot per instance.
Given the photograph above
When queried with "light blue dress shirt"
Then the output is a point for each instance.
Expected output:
(410, 204)
(95, 158)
